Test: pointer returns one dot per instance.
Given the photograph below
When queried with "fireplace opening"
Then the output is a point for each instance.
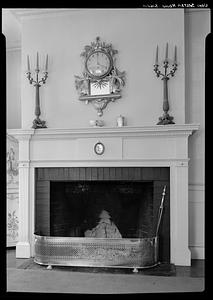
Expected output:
(69, 202)
(80, 209)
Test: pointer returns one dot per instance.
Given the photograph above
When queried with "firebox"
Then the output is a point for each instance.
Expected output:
(76, 202)
(75, 207)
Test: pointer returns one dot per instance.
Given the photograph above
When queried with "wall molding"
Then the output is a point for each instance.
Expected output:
(12, 138)
(197, 187)
(10, 48)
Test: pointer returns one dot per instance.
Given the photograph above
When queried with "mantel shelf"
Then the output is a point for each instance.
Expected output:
(167, 130)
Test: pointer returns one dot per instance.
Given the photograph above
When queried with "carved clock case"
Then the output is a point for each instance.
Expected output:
(101, 81)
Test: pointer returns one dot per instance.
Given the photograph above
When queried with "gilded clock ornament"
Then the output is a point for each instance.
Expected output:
(101, 82)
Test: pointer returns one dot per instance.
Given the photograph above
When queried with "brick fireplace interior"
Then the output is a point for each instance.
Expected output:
(68, 201)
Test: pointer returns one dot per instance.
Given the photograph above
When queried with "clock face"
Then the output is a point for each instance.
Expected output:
(98, 64)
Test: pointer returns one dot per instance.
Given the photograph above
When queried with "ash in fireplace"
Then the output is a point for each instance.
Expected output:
(105, 228)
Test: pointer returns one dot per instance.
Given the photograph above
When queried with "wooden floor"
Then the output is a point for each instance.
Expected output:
(197, 268)
(186, 279)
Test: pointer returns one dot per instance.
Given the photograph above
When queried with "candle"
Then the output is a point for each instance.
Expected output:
(166, 57)
(175, 55)
(156, 59)
(37, 63)
(28, 63)
(46, 66)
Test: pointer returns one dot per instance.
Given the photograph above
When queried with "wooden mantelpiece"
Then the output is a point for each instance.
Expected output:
(147, 146)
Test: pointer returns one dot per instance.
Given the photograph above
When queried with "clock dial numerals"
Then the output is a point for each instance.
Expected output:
(98, 64)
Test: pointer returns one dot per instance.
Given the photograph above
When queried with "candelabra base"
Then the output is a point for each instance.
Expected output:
(165, 120)
(38, 123)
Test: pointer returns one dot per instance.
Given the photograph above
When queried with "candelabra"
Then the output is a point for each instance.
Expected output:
(37, 122)
(166, 118)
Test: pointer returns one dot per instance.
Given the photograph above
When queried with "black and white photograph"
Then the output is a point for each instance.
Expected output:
(105, 149)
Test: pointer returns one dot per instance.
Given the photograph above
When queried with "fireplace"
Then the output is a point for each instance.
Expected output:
(144, 148)
(68, 202)
(75, 207)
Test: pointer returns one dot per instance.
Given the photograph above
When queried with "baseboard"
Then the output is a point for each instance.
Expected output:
(23, 250)
(197, 252)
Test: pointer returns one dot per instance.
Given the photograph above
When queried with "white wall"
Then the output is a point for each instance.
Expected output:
(134, 33)
(13, 91)
(197, 26)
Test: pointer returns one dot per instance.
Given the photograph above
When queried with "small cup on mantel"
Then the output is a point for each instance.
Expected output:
(99, 123)
(96, 123)
(92, 122)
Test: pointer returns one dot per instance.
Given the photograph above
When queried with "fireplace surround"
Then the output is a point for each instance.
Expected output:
(127, 147)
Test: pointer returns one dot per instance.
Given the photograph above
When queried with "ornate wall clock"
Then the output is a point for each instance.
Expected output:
(101, 82)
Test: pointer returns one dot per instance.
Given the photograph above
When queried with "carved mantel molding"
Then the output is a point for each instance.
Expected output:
(54, 133)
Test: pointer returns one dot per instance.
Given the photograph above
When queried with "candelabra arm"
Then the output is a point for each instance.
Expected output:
(161, 74)
(174, 69)
(43, 79)
(157, 71)
(30, 78)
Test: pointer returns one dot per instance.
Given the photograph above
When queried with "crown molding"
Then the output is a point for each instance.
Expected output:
(29, 13)
(196, 10)
(23, 13)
